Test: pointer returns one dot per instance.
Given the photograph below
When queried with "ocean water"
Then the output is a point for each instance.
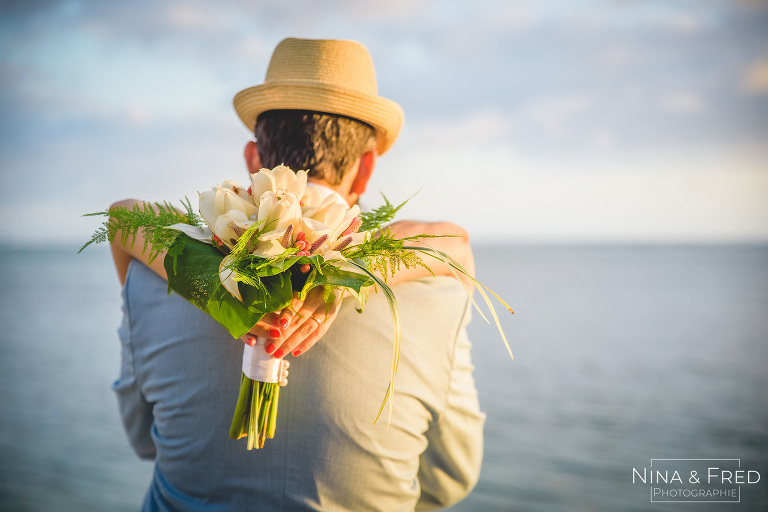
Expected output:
(622, 355)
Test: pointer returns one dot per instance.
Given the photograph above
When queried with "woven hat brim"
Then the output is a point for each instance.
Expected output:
(383, 114)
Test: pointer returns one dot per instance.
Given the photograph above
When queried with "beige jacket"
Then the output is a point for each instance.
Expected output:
(429, 455)
(179, 380)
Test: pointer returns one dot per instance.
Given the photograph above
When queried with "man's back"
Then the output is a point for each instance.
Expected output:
(325, 455)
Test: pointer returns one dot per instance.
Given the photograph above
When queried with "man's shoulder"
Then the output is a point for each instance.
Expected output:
(444, 288)
(437, 301)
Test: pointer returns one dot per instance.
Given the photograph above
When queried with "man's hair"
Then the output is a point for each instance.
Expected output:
(324, 144)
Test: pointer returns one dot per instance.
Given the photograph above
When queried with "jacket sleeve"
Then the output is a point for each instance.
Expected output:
(137, 417)
(450, 466)
(135, 411)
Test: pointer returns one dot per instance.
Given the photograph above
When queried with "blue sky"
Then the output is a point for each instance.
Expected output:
(554, 121)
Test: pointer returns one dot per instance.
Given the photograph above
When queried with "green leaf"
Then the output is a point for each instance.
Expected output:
(334, 276)
(193, 273)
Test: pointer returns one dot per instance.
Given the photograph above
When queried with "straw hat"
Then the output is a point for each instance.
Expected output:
(335, 77)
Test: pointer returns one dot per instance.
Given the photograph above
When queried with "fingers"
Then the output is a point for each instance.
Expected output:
(296, 328)
(304, 345)
(284, 372)
(270, 328)
(309, 323)
(267, 328)
(304, 336)
(308, 332)
(303, 322)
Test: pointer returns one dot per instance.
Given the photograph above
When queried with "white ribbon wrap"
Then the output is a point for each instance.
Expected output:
(262, 367)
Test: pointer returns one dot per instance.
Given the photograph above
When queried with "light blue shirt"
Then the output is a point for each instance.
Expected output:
(179, 383)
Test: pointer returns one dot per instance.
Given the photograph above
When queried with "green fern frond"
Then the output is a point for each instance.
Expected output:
(385, 254)
(380, 216)
(150, 218)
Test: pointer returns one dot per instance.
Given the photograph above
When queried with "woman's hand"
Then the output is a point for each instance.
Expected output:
(298, 327)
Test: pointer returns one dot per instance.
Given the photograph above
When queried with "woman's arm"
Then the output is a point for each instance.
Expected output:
(123, 254)
(456, 245)
(294, 330)
(297, 328)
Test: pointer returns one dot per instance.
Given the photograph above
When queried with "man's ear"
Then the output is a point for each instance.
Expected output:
(364, 172)
(252, 160)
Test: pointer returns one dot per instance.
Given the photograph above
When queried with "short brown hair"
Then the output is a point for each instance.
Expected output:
(326, 145)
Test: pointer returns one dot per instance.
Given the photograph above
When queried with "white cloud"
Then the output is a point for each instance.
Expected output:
(554, 112)
(498, 195)
(684, 22)
(194, 17)
(603, 138)
(510, 15)
(474, 128)
(683, 102)
(138, 113)
(556, 117)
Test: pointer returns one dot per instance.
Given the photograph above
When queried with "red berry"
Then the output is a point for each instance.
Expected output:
(301, 236)
(301, 244)
(305, 268)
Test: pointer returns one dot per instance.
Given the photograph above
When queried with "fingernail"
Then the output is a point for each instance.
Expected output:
(275, 318)
(296, 353)
(251, 341)
(274, 333)
(279, 353)
(270, 348)
(283, 323)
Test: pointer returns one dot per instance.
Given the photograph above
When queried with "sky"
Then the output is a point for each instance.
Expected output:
(584, 121)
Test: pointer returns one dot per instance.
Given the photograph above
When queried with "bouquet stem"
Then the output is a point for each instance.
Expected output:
(256, 412)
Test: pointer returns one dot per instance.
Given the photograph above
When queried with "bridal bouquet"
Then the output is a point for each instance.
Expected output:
(250, 249)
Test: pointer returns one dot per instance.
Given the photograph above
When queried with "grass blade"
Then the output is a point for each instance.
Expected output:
(455, 267)
(389, 294)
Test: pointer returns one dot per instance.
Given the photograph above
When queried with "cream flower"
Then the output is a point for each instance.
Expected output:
(219, 200)
(334, 215)
(278, 212)
(312, 198)
(327, 229)
(221, 207)
(277, 215)
(238, 189)
(227, 278)
(230, 226)
(280, 180)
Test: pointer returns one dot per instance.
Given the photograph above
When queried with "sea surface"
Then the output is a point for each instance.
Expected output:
(622, 354)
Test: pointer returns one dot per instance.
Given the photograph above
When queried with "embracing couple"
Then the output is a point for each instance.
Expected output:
(319, 110)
